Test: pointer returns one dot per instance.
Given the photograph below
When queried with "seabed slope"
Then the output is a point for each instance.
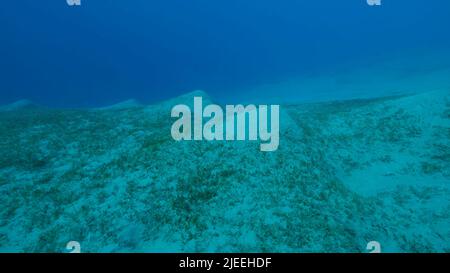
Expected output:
(345, 173)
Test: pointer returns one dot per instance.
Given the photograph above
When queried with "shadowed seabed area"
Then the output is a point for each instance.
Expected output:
(346, 173)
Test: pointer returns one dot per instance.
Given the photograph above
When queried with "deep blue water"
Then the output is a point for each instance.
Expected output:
(107, 51)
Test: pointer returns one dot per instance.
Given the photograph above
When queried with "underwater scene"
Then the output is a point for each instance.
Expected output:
(115, 126)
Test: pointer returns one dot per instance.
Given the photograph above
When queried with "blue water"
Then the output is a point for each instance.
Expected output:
(105, 52)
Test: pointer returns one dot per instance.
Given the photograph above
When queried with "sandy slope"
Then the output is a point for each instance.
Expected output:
(346, 173)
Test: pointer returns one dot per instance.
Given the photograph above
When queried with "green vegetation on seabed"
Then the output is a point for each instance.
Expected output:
(345, 173)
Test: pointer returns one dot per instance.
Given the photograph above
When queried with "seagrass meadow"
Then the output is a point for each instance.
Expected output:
(346, 172)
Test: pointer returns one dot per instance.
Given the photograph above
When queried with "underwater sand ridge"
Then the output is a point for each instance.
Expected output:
(18, 105)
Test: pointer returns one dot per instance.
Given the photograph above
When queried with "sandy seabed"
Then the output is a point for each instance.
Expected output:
(346, 173)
